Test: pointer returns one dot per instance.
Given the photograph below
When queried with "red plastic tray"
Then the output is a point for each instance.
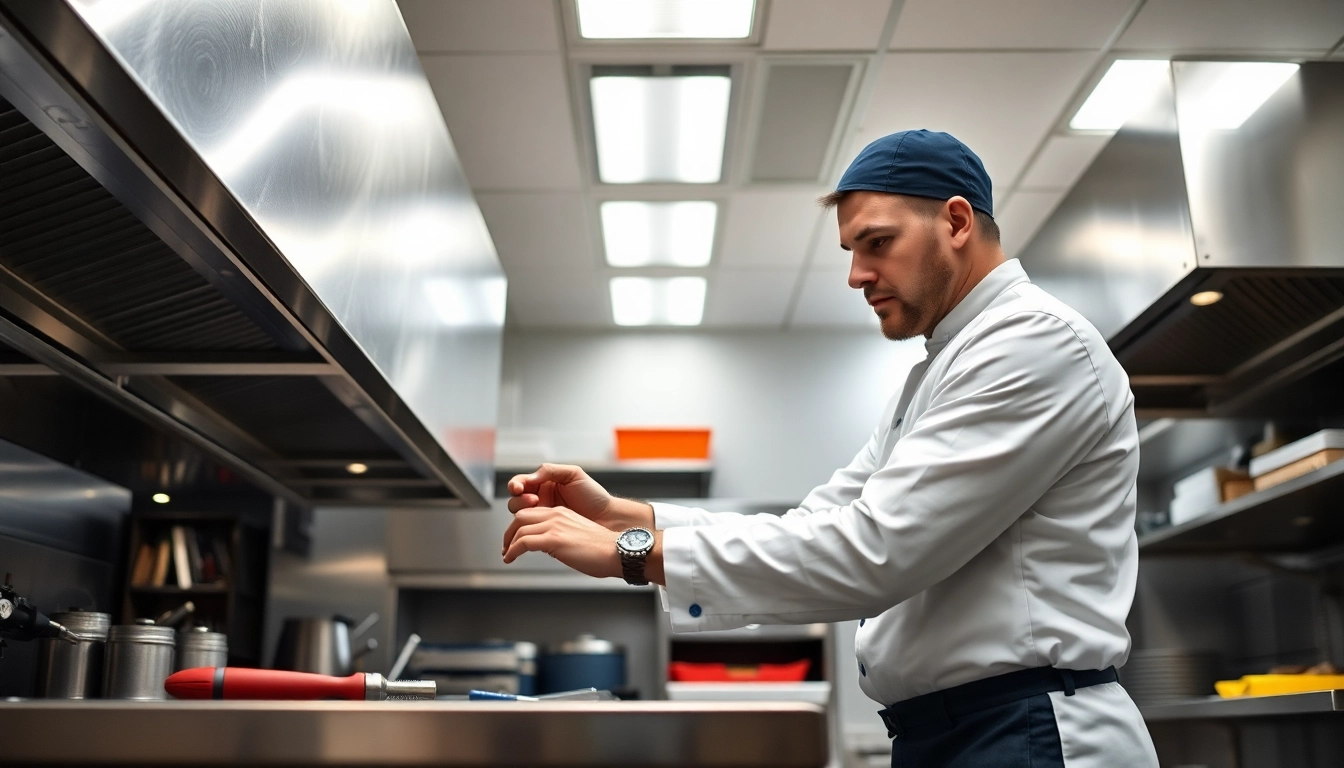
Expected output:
(700, 672)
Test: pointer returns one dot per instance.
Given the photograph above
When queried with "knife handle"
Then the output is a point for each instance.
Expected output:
(245, 683)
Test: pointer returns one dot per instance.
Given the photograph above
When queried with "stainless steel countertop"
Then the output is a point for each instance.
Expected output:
(659, 733)
(1215, 708)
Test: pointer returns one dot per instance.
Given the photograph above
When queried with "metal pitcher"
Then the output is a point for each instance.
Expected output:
(323, 645)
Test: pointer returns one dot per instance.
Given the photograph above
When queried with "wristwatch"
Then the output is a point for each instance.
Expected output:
(634, 546)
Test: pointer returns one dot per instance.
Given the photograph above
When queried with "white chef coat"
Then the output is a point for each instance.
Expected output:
(986, 527)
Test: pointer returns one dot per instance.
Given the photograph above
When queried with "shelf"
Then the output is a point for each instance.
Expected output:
(645, 479)
(532, 582)
(756, 633)
(1296, 516)
(1216, 708)
(202, 589)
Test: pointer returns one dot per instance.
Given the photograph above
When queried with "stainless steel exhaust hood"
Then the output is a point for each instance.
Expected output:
(245, 223)
(1182, 202)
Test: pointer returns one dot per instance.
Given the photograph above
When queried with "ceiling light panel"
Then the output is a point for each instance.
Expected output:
(665, 19)
(657, 301)
(643, 234)
(660, 129)
(1128, 85)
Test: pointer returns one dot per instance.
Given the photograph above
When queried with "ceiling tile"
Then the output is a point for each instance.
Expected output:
(980, 24)
(548, 298)
(1235, 25)
(1000, 104)
(1022, 215)
(756, 297)
(828, 255)
(1062, 161)
(539, 229)
(768, 228)
(509, 117)
(834, 25)
(461, 26)
(827, 300)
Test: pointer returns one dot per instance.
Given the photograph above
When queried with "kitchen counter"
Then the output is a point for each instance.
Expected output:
(445, 733)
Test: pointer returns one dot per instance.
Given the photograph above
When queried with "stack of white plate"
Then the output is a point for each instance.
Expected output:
(1160, 675)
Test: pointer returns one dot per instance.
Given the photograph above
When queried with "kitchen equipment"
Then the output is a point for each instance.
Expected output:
(583, 694)
(199, 647)
(404, 657)
(1160, 675)
(243, 683)
(74, 671)
(1275, 685)
(670, 443)
(175, 616)
(714, 672)
(584, 662)
(493, 665)
(20, 619)
(322, 646)
(139, 658)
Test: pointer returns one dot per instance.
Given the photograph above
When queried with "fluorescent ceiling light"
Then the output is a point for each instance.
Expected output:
(640, 234)
(1230, 97)
(668, 129)
(648, 19)
(657, 301)
(1127, 85)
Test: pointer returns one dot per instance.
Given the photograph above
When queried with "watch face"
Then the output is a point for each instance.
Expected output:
(636, 540)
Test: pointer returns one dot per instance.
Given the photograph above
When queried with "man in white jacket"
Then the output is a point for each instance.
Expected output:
(984, 535)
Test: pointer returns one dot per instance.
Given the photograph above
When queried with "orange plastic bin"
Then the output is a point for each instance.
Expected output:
(661, 443)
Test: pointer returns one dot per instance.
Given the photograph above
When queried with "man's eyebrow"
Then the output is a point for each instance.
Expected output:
(865, 232)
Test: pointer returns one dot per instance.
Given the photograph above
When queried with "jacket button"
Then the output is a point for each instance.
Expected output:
(861, 622)
(863, 670)
(695, 610)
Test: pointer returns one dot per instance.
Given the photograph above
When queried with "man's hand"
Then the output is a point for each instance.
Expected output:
(565, 485)
(574, 540)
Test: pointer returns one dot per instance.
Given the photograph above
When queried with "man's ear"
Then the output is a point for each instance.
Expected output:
(961, 219)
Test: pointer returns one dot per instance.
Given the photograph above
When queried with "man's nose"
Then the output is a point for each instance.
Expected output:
(859, 274)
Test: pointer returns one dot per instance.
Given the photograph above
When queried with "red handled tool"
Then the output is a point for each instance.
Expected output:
(244, 683)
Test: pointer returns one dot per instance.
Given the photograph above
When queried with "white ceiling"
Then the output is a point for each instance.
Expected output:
(1001, 76)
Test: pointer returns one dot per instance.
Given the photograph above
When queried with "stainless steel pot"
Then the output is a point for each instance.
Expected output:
(199, 647)
(322, 646)
(139, 659)
(584, 662)
(74, 671)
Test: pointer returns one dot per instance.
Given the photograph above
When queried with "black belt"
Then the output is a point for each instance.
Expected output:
(941, 706)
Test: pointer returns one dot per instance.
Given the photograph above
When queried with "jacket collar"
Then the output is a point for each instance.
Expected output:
(1000, 279)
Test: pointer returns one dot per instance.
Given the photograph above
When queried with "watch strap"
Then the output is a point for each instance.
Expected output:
(632, 568)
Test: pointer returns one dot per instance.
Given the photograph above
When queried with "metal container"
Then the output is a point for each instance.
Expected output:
(139, 659)
(585, 662)
(74, 671)
(199, 647)
(527, 668)
(322, 646)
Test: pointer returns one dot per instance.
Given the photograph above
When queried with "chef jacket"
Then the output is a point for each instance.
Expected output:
(987, 525)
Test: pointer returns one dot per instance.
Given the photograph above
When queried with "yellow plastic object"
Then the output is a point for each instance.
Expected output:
(1274, 685)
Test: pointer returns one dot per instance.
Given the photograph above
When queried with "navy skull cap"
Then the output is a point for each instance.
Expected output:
(922, 163)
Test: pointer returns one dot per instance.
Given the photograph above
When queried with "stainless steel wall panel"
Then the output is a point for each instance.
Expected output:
(1268, 193)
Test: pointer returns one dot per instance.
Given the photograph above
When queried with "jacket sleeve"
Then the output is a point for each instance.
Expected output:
(1018, 407)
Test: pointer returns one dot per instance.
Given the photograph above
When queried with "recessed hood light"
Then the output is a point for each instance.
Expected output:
(660, 129)
(1126, 86)
(1205, 298)
(641, 234)
(653, 19)
(657, 301)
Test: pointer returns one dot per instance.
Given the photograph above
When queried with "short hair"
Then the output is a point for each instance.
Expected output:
(927, 207)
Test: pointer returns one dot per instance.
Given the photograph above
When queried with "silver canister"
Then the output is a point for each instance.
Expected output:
(199, 647)
(74, 671)
(139, 659)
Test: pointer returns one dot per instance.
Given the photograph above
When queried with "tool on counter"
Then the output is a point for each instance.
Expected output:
(20, 619)
(581, 694)
(244, 683)
(399, 665)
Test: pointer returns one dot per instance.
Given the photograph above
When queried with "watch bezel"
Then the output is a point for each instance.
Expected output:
(644, 550)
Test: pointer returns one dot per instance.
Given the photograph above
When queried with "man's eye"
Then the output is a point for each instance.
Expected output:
(878, 242)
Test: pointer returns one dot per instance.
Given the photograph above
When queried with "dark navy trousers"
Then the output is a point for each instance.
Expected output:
(1006, 721)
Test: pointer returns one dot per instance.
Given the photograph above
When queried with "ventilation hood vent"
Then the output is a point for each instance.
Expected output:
(1172, 208)
(274, 259)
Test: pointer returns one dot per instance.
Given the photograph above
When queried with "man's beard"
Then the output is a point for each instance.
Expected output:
(921, 298)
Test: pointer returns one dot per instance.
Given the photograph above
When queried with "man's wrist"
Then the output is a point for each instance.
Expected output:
(633, 514)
